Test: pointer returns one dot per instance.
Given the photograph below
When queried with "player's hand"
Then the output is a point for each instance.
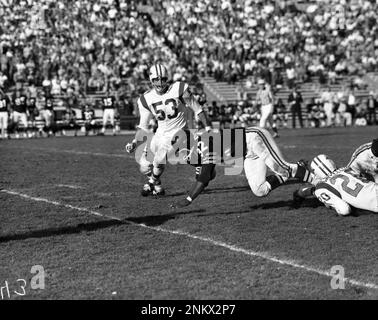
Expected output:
(180, 204)
(130, 147)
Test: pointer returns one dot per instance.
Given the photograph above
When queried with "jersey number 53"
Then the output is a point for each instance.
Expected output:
(161, 114)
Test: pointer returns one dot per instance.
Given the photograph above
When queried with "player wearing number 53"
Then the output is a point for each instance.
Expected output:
(172, 105)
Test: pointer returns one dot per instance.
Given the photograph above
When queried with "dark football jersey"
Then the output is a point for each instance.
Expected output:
(4, 104)
(19, 104)
(32, 106)
(88, 115)
(109, 102)
(49, 105)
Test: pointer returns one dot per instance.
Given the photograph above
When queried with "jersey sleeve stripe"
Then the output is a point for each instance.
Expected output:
(270, 148)
(361, 149)
(323, 185)
(144, 102)
(181, 89)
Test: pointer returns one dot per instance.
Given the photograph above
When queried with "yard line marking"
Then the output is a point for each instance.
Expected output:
(315, 147)
(59, 204)
(111, 155)
(262, 255)
(69, 186)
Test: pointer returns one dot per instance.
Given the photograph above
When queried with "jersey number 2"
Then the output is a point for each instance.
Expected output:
(353, 192)
(161, 114)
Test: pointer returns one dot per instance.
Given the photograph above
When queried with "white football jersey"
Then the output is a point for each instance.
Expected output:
(364, 162)
(350, 187)
(171, 109)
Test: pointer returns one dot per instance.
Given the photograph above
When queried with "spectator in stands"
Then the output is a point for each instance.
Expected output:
(372, 107)
(295, 101)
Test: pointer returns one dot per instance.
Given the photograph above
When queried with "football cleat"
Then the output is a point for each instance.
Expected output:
(180, 204)
(158, 190)
(148, 188)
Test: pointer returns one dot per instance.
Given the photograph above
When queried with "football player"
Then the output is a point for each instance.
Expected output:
(109, 109)
(263, 153)
(260, 152)
(341, 189)
(4, 109)
(19, 107)
(364, 160)
(264, 97)
(47, 114)
(33, 113)
(169, 104)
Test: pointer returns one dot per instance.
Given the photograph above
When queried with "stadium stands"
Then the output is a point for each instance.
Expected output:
(108, 45)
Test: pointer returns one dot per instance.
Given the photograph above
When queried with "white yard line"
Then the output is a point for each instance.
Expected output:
(87, 153)
(251, 253)
(69, 186)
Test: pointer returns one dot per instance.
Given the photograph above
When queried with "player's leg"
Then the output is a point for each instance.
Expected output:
(24, 121)
(160, 144)
(271, 122)
(264, 116)
(16, 120)
(105, 118)
(255, 171)
(145, 168)
(4, 124)
(332, 199)
(262, 144)
(112, 120)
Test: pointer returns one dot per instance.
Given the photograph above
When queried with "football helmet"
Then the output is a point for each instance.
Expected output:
(323, 166)
(159, 78)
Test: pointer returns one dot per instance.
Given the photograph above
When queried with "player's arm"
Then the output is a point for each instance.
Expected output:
(190, 101)
(145, 117)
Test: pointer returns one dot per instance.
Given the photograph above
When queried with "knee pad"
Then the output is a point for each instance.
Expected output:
(145, 167)
(158, 169)
(261, 190)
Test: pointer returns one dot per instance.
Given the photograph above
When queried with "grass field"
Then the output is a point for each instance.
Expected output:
(72, 205)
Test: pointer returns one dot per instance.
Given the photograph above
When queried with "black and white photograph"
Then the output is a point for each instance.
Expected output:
(196, 152)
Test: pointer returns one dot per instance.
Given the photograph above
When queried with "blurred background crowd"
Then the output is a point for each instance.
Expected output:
(63, 47)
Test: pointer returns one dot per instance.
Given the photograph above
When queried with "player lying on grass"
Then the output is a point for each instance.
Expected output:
(170, 105)
(342, 189)
(260, 152)
(364, 163)
(263, 153)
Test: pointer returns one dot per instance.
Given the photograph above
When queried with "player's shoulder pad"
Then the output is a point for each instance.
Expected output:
(182, 88)
(364, 147)
(143, 101)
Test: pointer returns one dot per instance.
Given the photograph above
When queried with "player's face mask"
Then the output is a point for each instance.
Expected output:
(160, 84)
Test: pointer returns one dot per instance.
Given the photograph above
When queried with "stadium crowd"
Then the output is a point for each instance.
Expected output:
(95, 45)
(75, 48)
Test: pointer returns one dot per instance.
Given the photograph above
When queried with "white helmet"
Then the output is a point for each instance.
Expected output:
(323, 166)
(159, 77)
